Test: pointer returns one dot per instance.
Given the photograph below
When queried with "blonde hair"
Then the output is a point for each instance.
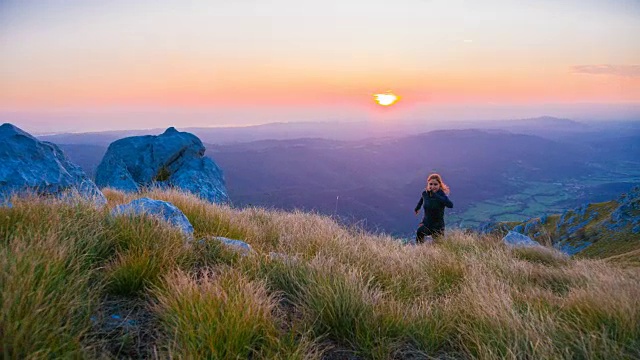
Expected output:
(438, 178)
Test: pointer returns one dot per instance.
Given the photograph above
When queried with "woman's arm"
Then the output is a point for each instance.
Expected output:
(443, 199)
(419, 204)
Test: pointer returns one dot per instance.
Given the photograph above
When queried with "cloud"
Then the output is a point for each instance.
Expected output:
(608, 69)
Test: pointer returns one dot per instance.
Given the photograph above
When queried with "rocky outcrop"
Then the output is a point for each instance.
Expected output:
(493, 227)
(627, 214)
(173, 159)
(28, 165)
(577, 229)
(165, 211)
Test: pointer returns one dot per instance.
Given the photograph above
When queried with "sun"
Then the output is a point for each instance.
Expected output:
(386, 99)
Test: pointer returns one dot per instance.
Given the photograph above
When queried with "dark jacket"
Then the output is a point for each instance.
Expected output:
(434, 204)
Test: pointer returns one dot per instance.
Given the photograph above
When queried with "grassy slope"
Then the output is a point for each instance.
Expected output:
(75, 282)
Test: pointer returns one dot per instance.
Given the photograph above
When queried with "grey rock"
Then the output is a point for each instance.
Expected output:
(173, 159)
(516, 239)
(28, 165)
(161, 209)
(118, 177)
(238, 245)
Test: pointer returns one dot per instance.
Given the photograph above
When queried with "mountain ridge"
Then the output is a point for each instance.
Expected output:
(347, 130)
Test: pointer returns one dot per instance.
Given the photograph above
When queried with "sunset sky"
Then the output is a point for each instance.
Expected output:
(97, 65)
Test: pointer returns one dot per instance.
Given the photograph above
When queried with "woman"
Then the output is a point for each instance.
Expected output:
(434, 199)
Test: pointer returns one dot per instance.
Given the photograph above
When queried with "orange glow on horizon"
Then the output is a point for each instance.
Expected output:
(243, 85)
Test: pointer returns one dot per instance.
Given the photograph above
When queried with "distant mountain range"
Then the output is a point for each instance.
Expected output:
(544, 126)
(503, 171)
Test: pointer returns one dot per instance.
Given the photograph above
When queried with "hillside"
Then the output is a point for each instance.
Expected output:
(609, 229)
(76, 282)
(493, 175)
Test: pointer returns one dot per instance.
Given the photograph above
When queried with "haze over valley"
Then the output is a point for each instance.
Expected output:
(505, 171)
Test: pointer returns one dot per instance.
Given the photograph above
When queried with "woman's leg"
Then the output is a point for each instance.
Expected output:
(420, 233)
(437, 233)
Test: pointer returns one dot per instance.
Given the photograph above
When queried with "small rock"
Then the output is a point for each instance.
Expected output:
(162, 209)
(516, 239)
(237, 245)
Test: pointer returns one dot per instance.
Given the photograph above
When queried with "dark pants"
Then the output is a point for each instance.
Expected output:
(424, 231)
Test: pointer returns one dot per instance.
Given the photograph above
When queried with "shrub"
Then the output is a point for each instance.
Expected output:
(540, 255)
(216, 316)
(146, 249)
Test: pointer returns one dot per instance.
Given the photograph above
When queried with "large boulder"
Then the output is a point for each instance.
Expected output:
(28, 165)
(163, 210)
(172, 159)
